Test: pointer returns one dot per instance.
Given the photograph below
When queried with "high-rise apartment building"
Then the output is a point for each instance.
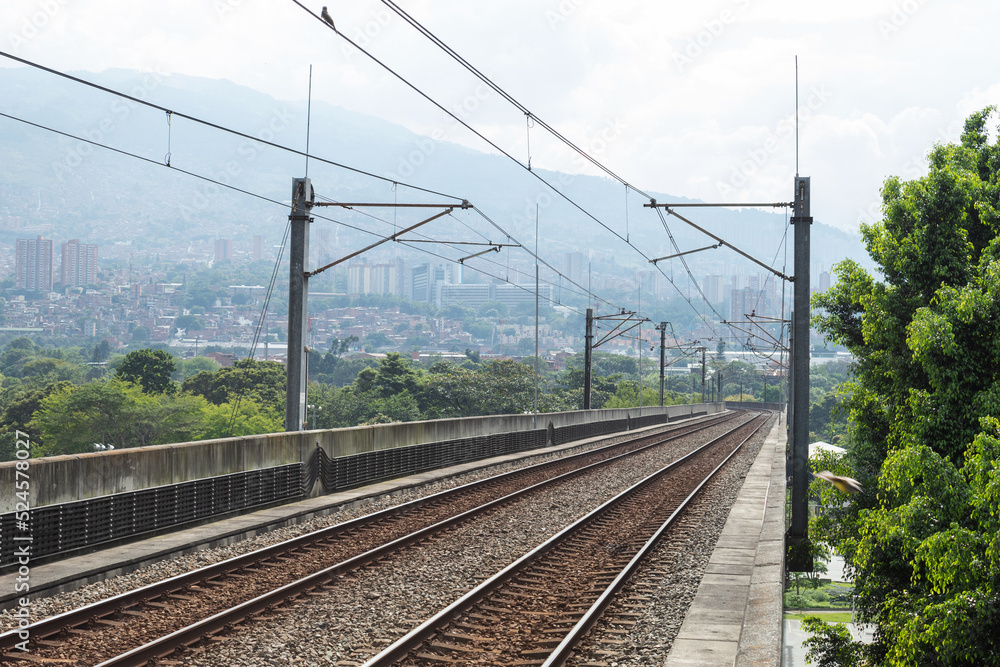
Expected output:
(383, 279)
(33, 264)
(421, 288)
(79, 264)
(575, 267)
(741, 303)
(714, 286)
(223, 250)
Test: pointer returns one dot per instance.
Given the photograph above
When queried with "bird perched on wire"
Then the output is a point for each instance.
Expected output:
(326, 17)
(843, 484)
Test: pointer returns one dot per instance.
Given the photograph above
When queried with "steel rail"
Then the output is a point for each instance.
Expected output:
(564, 650)
(191, 634)
(401, 647)
(159, 590)
(111, 606)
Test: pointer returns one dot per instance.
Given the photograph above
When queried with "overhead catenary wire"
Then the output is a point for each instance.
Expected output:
(532, 117)
(690, 275)
(170, 113)
(584, 291)
(244, 135)
(216, 126)
(783, 244)
(491, 143)
(252, 194)
(500, 91)
(223, 184)
(260, 326)
(136, 156)
(505, 279)
(507, 154)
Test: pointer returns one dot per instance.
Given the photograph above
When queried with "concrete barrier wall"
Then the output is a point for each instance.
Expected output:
(748, 405)
(61, 479)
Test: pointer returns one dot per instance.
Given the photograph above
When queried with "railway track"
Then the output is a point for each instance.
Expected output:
(535, 611)
(298, 567)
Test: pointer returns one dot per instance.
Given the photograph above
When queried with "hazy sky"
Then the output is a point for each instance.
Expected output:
(693, 99)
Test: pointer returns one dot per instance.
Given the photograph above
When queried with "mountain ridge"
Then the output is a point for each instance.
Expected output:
(88, 192)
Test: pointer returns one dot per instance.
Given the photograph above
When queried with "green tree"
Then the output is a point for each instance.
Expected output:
(72, 420)
(497, 387)
(350, 406)
(188, 323)
(923, 405)
(630, 394)
(479, 330)
(395, 376)
(341, 346)
(150, 369)
(21, 403)
(340, 372)
(602, 387)
(251, 418)
(495, 309)
(19, 351)
(101, 351)
(376, 341)
(263, 381)
(830, 644)
(188, 367)
(455, 311)
(45, 370)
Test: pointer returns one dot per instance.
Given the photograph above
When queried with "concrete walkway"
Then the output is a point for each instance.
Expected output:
(735, 618)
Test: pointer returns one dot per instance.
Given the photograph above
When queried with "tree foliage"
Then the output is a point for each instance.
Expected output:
(251, 418)
(72, 420)
(262, 381)
(924, 402)
(150, 369)
(495, 388)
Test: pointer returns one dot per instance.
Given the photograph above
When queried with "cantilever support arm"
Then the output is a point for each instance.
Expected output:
(686, 252)
(652, 204)
(393, 237)
(495, 248)
(617, 331)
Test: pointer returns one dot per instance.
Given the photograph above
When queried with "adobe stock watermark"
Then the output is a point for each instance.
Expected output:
(562, 13)
(248, 150)
(712, 29)
(425, 146)
(367, 33)
(34, 23)
(783, 134)
(900, 15)
(22, 538)
(118, 113)
(596, 146)
(225, 7)
(912, 169)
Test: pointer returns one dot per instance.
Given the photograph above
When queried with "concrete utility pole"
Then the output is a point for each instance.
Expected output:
(800, 373)
(663, 350)
(298, 290)
(588, 340)
(703, 375)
